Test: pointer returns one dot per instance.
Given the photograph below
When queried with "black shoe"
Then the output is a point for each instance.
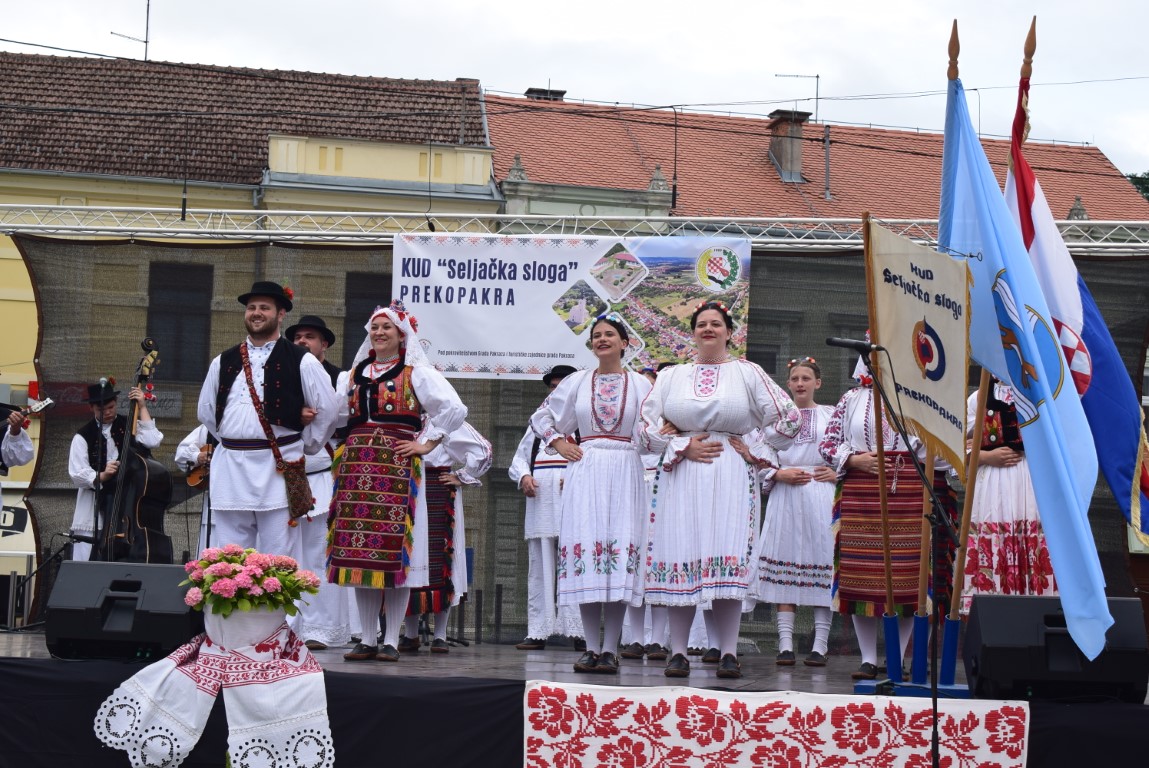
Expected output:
(531, 644)
(361, 652)
(579, 644)
(315, 645)
(388, 653)
(409, 644)
(439, 645)
(695, 651)
(867, 671)
(587, 662)
(632, 651)
(815, 659)
(656, 652)
(678, 666)
(712, 656)
(785, 659)
(607, 664)
(355, 639)
(729, 667)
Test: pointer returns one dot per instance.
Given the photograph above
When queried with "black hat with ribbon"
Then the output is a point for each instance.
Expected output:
(281, 294)
(311, 321)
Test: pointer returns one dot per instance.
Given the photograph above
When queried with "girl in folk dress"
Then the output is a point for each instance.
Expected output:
(602, 530)
(1006, 552)
(796, 551)
(379, 527)
(704, 513)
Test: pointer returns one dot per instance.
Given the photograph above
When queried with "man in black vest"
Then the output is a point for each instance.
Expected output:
(325, 619)
(254, 393)
(94, 460)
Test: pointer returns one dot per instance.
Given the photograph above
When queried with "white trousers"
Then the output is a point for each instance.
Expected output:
(325, 616)
(266, 529)
(541, 587)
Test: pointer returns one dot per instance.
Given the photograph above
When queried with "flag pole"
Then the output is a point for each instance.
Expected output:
(890, 619)
(918, 669)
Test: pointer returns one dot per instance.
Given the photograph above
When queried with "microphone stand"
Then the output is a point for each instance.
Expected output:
(940, 524)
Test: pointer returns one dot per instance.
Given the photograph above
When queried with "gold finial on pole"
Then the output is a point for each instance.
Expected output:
(955, 47)
(1030, 48)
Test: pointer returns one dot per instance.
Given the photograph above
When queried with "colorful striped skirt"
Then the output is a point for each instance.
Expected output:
(859, 575)
(437, 596)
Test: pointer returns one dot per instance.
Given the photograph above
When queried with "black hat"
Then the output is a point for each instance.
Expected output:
(311, 321)
(558, 372)
(102, 392)
(267, 288)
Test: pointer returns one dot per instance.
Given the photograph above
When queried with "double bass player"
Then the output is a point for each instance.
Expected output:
(94, 460)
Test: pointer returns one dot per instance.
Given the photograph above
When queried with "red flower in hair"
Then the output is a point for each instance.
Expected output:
(290, 294)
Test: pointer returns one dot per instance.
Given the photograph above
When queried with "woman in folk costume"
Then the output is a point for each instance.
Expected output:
(446, 532)
(850, 447)
(704, 514)
(1006, 552)
(603, 526)
(796, 551)
(378, 537)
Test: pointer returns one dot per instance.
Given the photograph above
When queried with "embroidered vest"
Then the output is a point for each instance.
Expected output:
(390, 399)
(1001, 428)
(282, 384)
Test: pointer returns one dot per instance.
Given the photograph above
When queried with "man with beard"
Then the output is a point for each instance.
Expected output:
(253, 402)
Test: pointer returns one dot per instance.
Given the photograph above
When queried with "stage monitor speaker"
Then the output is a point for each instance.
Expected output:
(119, 611)
(1018, 647)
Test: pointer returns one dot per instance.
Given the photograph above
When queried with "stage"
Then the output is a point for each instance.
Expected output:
(463, 708)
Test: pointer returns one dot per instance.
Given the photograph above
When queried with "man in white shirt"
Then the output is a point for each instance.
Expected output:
(262, 385)
(94, 461)
(16, 444)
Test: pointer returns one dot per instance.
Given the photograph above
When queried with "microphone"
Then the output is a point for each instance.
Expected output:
(81, 539)
(861, 347)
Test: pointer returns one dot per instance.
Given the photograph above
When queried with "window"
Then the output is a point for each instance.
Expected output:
(179, 318)
(364, 291)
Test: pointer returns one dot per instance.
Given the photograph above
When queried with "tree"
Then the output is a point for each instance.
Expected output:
(1141, 181)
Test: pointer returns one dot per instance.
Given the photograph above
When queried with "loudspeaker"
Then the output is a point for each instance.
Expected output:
(118, 611)
(1018, 647)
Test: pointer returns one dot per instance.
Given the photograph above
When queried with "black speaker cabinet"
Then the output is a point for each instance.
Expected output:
(118, 611)
(1017, 647)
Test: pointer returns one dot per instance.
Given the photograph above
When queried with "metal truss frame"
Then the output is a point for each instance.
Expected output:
(1111, 238)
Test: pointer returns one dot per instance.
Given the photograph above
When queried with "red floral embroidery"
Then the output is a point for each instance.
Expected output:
(719, 729)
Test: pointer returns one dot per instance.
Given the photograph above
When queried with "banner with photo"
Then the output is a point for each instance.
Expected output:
(920, 314)
(491, 306)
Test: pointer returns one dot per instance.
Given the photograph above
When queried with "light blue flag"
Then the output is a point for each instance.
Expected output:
(1012, 336)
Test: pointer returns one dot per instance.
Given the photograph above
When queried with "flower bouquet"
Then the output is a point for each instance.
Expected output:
(230, 577)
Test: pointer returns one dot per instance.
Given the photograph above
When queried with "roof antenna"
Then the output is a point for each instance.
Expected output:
(430, 159)
(674, 170)
(147, 30)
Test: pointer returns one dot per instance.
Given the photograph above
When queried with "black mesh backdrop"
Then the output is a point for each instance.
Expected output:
(98, 300)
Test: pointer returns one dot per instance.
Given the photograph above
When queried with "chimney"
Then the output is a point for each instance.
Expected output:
(786, 143)
(545, 94)
(1077, 211)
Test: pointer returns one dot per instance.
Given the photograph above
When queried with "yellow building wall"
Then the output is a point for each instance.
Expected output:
(441, 164)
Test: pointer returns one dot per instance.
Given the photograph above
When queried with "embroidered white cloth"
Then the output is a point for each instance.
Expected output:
(272, 689)
(589, 725)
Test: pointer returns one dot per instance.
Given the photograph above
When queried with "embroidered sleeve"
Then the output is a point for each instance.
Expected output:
(675, 447)
(467, 447)
(650, 439)
(444, 410)
(776, 408)
(556, 417)
(835, 448)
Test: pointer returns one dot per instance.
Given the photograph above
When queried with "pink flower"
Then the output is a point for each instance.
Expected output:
(243, 580)
(191, 565)
(283, 562)
(194, 596)
(307, 578)
(224, 587)
(258, 560)
(271, 584)
(211, 553)
(196, 575)
(221, 569)
(255, 590)
(232, 550)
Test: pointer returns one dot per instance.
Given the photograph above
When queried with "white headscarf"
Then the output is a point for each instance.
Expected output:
(413, 353)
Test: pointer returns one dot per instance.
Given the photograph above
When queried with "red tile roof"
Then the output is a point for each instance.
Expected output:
(724, 170)
(122, 117)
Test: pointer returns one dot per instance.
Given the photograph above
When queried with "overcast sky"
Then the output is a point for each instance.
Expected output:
(879, 63)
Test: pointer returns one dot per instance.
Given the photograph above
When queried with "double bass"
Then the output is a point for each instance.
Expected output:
(133, 530)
